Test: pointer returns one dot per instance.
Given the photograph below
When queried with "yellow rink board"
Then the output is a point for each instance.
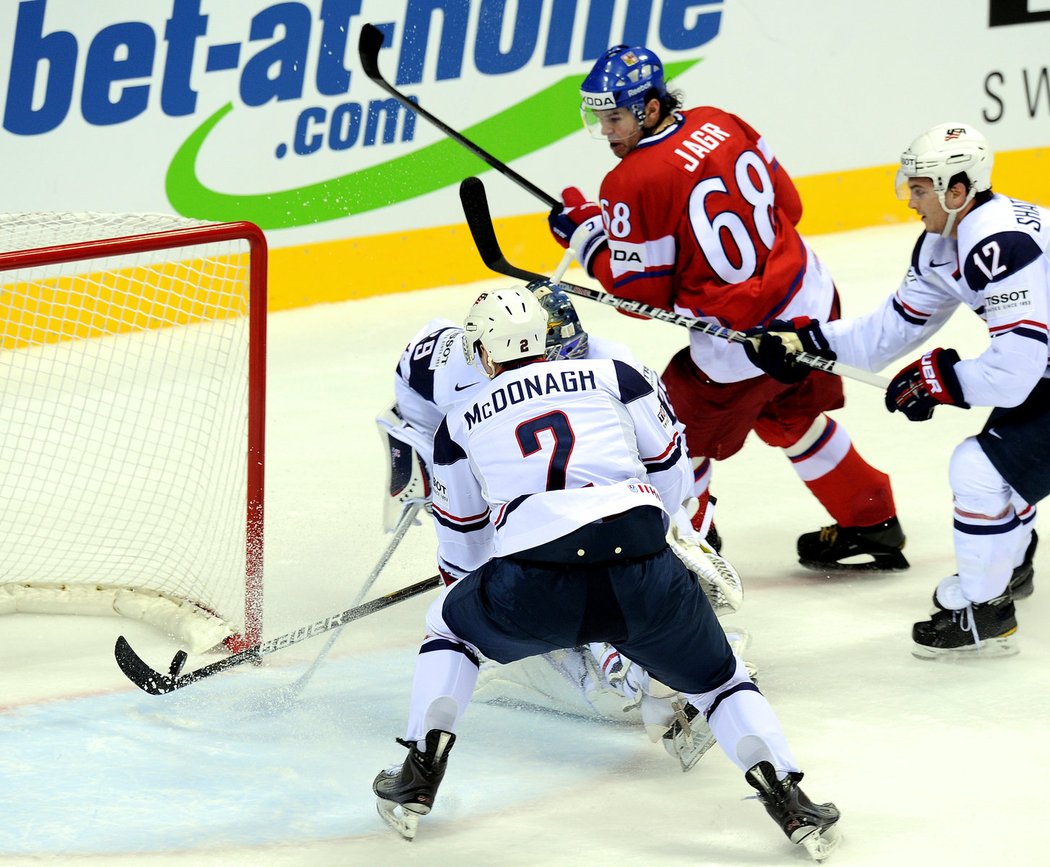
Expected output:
(445, 255)
(93, 305)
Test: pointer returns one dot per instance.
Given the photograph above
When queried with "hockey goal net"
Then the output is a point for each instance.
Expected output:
(132, 405)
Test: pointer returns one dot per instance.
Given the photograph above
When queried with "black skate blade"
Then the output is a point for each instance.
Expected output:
(867, 566)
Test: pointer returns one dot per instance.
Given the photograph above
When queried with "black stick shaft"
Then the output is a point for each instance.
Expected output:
(157, 683)
(368, 45)
(479, 220)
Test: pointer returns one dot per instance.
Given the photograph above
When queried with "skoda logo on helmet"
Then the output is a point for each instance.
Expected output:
(598, 101)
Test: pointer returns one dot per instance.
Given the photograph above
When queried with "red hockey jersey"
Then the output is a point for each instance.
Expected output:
(701, 218)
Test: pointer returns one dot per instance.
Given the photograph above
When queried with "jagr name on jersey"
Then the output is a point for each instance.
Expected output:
(700, 144)
(527, 388)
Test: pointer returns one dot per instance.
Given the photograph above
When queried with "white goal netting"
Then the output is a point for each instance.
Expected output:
(132, 382)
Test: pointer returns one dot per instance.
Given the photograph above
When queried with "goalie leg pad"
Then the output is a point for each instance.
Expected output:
(717, 577)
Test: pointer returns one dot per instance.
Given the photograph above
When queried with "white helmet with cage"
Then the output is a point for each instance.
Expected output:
(510, 324)
(941, 153)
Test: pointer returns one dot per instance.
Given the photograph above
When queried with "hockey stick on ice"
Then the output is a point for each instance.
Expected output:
(368, 45)
(157, 683)
(407, 518)
(479, 219)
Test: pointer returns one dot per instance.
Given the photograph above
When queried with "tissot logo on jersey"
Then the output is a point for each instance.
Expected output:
(527, 388)
(444, 349)
(1017, 298)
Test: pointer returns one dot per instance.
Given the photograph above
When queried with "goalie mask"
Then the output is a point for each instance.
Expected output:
(510, 323)
(624, 77)
(565, 336)
(941, 153)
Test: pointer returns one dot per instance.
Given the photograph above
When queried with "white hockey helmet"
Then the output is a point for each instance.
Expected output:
(509, 323)
(941, 153)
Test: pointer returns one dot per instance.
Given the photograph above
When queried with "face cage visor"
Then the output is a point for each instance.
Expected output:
(605, 121)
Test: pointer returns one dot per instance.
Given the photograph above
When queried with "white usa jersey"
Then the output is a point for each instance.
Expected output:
(546, 448)
(433, 376)
(998, 268)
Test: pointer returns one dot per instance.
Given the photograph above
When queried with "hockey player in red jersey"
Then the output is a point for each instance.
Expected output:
(699, 217)
(987, 252)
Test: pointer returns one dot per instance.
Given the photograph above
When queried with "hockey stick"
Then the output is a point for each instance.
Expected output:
(368, 45)
(156, 683)
(295, 687)
(479, 220)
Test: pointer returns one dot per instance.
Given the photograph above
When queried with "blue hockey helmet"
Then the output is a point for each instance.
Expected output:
(621, 78)
(565, 336)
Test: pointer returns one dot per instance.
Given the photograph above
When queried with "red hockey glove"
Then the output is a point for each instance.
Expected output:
(577, 223)
(772, 348)
(924, 384)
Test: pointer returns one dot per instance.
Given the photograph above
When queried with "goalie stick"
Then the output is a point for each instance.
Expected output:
(368, 45)
(479, 220)
(407, 519)
(157, 683)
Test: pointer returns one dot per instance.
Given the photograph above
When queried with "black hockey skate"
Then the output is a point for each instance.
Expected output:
(805, 823)
(855, 549)
(1022, 581)
(407, 792)
(979, 629)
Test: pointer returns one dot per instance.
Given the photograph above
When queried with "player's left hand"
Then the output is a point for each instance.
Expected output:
(925, 384)
(577, 223)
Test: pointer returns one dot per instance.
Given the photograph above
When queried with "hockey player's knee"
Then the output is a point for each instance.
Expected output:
(708, 702)
(976, 484)
(435, 620)
(807, 440)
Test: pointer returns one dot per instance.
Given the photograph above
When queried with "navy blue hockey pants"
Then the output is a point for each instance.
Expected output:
(1017, 442)
(650, 609)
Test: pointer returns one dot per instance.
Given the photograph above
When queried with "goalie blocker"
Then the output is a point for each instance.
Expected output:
(407, 479)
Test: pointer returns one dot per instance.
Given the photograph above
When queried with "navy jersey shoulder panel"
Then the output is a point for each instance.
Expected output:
(999, 256)
(630, 381)
(446, 450)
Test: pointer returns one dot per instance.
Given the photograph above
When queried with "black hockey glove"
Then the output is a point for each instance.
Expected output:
(925, 384)
(772, 348)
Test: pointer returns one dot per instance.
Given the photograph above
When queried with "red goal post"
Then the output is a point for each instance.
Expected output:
(132, 421)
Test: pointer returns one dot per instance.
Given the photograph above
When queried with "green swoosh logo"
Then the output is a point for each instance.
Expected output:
(532, 124)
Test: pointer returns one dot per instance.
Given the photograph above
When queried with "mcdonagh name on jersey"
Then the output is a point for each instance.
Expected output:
(526, 388)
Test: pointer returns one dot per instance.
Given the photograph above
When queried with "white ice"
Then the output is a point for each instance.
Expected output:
(930, 763)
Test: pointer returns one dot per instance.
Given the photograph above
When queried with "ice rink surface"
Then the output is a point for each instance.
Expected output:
(929, 763)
